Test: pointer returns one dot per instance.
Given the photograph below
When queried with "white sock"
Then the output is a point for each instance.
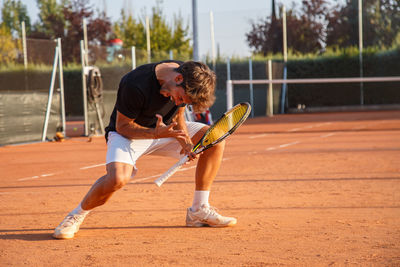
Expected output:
(79, 211)
(200, 198)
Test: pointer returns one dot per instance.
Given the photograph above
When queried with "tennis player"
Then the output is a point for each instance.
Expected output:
(148, 118)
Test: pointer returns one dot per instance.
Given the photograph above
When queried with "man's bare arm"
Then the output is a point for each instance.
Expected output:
(185, 141)
(130, 129)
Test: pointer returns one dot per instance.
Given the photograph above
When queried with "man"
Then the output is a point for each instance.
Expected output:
(148, 118)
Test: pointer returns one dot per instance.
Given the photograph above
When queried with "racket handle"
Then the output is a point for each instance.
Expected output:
(171, 171)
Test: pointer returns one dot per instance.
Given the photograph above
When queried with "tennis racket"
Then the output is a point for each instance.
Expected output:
(220, 130)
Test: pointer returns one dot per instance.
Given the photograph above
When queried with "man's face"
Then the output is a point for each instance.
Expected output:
(175, 91)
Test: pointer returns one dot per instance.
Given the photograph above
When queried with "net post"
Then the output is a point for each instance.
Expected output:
(229, 94)
(270, 103)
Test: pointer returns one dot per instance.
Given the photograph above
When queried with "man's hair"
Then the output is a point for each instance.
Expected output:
(199, 84)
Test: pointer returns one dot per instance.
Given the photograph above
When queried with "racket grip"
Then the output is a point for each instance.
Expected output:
(171, 171)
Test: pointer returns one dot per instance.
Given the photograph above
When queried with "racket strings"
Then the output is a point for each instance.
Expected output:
(225, 124)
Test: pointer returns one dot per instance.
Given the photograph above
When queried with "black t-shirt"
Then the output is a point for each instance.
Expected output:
(139, 98)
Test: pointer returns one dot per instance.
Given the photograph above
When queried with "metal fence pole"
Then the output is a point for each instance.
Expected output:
(195, 31)
(84, 90)
(360, 40)
(61, 79)
(148, 40)
(85, 38)
(24, 45)
(251, 86)
(285, 58)
(229, 85)
(228, 69)
(213, 55)
(270, 103)
(133, 51)
(229, 94)
(50, 99)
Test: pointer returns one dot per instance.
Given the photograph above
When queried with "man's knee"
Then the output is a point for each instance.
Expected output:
(118, 176)
(118, 180)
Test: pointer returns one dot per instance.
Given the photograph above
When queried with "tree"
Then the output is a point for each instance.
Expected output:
(51, 19)
(381, 23)
(13, 13)
(8, 47)
(161, 33)
(163, 37)
(305, 30)
(130, 31)
(180, 43)
(65, 20)
(97, 28)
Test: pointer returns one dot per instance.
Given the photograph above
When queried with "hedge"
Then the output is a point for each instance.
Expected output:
(312, 95)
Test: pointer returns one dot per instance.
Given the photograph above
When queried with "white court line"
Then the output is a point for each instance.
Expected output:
(324, 123)
(359, 127)
(258, 136)
(289, 144)
(309, 126)
(36, 177)
(92, 166)
(46, 175)
(282, 146)
(295, 129)
(28, 178)
(327, 135)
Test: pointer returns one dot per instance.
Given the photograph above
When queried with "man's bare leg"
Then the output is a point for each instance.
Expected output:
(201, 213)
(118, 174)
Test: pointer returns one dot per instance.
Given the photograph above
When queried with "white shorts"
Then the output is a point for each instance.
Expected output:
(121, 149)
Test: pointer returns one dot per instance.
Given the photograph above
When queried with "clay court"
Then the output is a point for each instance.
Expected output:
(307, 189)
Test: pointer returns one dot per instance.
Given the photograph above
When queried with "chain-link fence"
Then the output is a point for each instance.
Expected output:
(113, 63)
(25, 81)
(24, 92)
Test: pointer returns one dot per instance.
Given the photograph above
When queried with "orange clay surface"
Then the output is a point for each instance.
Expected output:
(307, 189)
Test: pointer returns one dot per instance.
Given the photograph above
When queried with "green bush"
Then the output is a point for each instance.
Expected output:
(332, 64)
(375, 64)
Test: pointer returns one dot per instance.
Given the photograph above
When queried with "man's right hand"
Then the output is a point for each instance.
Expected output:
(164, 131)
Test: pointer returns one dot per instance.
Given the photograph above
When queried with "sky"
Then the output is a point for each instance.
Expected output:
(232, 18)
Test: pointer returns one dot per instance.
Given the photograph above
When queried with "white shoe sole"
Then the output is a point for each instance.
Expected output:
(63, 236)
(200, 224)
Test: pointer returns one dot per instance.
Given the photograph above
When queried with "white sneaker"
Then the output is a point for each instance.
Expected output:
(69, 226)
(207, 216)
